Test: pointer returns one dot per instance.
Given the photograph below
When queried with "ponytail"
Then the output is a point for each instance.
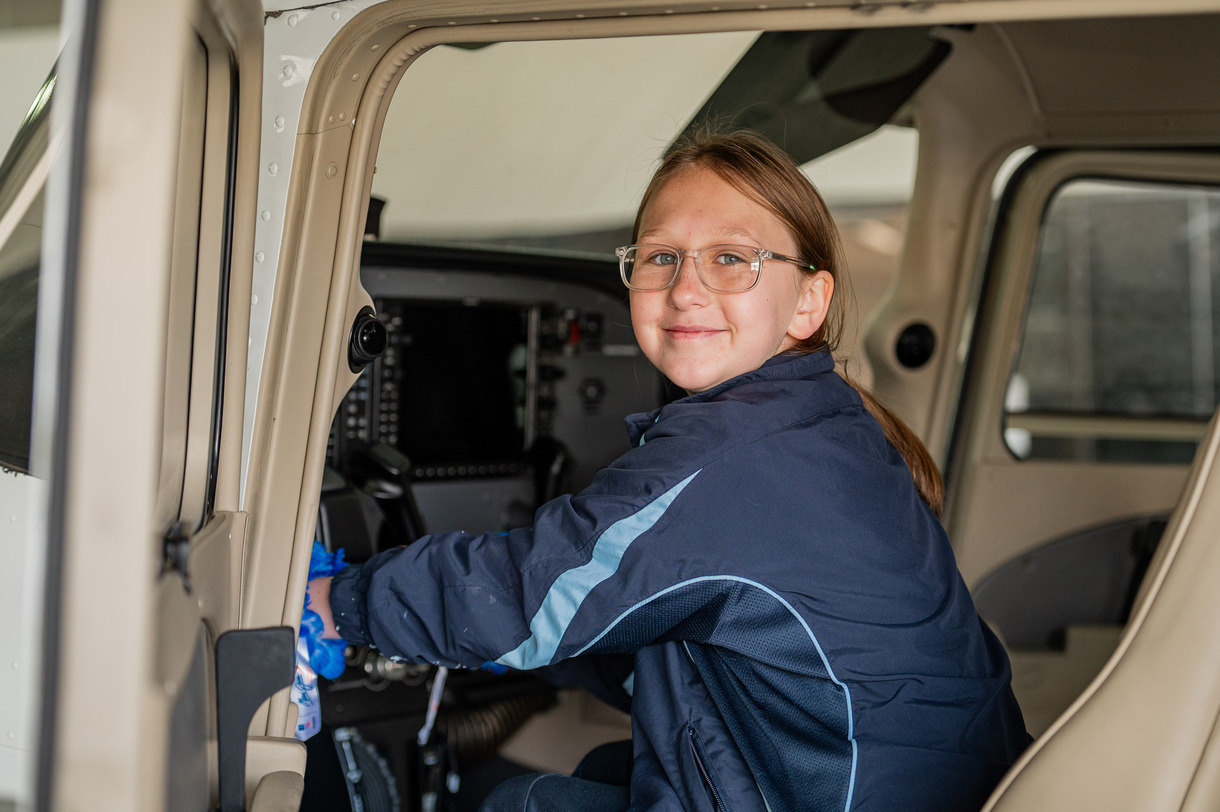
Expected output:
(924, 473)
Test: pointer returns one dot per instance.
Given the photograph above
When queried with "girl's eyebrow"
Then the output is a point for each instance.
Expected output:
(736, 232)
(722, 232)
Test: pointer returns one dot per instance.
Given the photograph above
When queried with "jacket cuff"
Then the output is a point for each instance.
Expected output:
(348, 589)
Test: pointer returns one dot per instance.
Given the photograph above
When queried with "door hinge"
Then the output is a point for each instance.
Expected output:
(175, 548)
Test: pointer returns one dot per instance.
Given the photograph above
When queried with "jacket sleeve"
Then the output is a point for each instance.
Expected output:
(608, 677)
(524, 599)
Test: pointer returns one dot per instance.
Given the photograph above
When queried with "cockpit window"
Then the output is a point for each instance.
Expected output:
(548, 145)
(538, 144)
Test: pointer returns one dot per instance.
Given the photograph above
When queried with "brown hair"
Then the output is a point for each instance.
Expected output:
(762, 171)
(925, 474)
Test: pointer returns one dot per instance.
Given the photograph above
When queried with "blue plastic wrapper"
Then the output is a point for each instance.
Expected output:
(322, 563)
(305, 696)
(315, 655)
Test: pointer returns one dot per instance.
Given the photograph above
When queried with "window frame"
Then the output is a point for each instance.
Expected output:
(211, 262)
(1008, 279)
(1098, 425)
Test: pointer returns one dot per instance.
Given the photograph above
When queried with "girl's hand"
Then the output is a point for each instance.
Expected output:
(318, 593)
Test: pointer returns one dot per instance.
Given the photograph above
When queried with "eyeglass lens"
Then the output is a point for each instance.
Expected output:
(721, 267)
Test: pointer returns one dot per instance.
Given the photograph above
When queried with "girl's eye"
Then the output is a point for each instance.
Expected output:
(730, 256)
(662, 258)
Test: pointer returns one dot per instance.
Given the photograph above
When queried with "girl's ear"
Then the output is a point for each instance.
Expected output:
(816, 291)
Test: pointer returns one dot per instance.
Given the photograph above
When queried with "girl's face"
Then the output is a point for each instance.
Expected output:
(698, 338)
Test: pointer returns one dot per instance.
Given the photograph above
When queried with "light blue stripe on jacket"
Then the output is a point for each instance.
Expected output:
(570, 589)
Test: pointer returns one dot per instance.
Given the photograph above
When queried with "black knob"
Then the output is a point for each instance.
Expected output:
(915, 345)
(368, 340)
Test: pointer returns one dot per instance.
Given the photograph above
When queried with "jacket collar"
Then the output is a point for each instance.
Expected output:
(777, 368)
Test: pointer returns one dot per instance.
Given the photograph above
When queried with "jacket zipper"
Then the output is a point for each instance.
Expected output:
(703, 771)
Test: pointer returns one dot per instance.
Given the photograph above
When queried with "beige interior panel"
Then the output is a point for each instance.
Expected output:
(179, 382)
(242, 28)
(109, 755)
(307, 345)
(177, 616)
(1047, 682)
(960, 152)
(1020, 505)
(1204, 792)
(1052, 56)
(215, 568)
(278, 792)
(269, 764)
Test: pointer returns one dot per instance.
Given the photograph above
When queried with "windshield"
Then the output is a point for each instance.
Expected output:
(548, 145)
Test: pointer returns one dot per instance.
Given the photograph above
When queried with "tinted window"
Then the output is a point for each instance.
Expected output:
(22, 175)
(1121, 327)
(18, 307)
(29, 42)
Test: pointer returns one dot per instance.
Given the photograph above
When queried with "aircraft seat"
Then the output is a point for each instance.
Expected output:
(1144, 736)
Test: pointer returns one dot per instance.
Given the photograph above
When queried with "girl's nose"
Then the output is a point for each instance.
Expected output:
(688, 289)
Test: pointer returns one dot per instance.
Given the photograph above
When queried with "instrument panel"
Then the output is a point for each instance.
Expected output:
(505, 379)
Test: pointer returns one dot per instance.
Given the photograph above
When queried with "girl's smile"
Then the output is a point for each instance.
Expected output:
(680, 332)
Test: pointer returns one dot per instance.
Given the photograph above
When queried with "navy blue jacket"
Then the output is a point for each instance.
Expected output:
(802, 639)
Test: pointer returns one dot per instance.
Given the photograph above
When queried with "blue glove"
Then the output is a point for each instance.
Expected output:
(325, 655)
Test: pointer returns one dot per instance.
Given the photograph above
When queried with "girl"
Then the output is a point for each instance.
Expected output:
(759, 580)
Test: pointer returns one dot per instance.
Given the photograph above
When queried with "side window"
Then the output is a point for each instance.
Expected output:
(22, 177)
(19, 263)
(24, 171)
(1120, 351)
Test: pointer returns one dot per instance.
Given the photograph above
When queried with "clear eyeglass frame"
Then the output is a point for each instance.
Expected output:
(627, 253)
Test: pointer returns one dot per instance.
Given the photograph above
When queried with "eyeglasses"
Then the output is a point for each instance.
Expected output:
(721, 268)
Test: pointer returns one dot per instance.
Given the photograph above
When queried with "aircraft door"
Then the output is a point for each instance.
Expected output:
(143, 260)
(1091, 380)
